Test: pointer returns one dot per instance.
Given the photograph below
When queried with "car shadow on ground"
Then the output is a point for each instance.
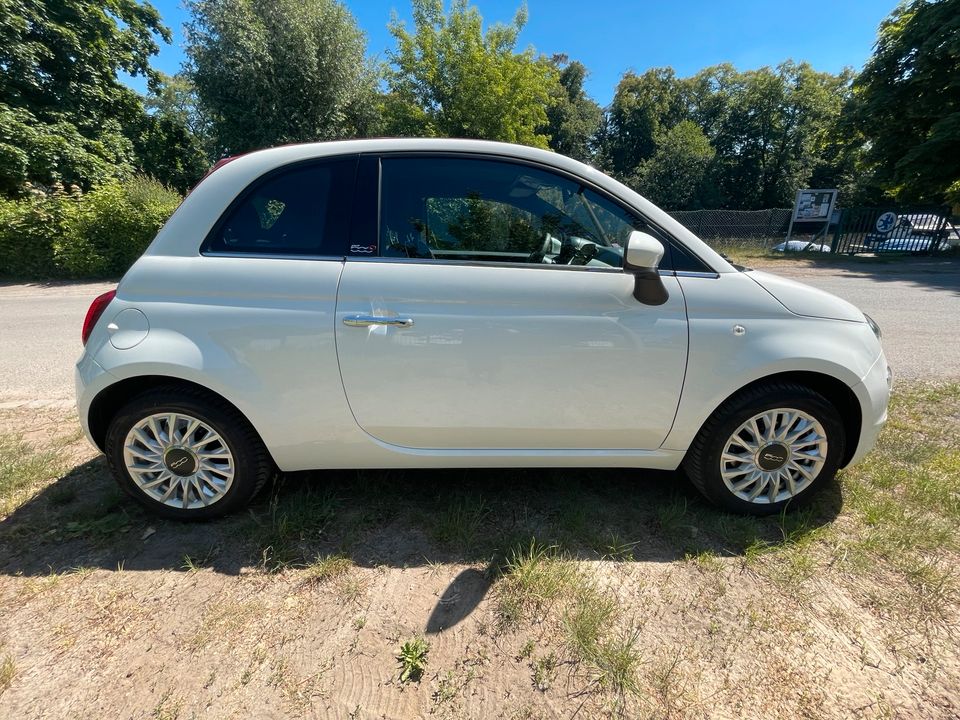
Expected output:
(395, 518)
(398, 519)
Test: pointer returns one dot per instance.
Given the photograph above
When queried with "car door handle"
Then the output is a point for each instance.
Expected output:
(367, 320)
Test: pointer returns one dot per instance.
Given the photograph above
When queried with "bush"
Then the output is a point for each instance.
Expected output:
(30, 226)
(98, 234)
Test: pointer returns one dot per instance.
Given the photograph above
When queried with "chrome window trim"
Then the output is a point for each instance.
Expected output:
(697, 273)
(474, 263)
(272, 256)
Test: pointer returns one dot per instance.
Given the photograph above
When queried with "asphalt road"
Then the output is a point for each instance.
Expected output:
(917, 306)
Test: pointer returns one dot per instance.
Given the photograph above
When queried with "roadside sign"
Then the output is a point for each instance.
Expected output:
(813, 206)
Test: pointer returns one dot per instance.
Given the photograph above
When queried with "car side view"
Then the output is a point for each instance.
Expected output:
(455, 303)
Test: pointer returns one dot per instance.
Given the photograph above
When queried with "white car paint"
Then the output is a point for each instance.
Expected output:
(503, 366)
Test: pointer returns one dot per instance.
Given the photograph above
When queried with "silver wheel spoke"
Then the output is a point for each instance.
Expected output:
(164, 476)
(759, 487)
(791, 484)
(743, 484)
(161, 448)
(774, 488)
(752, 465)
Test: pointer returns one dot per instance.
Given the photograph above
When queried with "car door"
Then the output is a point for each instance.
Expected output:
(497, 315)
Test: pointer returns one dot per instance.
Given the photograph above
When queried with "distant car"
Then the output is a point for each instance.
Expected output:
(912, 243)
(918, 232)
(801, 246)
(416, 303)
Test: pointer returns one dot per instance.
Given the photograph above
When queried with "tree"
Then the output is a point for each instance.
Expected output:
(773, 132)
(269, 72)
(674, 176)
(573, 118)
(63, 112)
(450, 78)
(175, 97)
(170, 140)
(908, 101)
(644, 106)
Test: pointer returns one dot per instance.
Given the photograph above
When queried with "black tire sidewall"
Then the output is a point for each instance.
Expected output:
(245, 482)
(712, 484)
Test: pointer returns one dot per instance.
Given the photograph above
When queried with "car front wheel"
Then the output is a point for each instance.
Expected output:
(185, 454)
(767, 447)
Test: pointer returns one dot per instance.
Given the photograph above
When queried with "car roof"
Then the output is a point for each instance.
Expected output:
(206, 202)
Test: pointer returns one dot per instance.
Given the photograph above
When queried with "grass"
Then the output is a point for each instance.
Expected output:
(325, 568)
(458, 523)
(533, 576)
(24, 470)
(627, 581)
(612, 658)
(8, 670)
(224, 622)
(292, 523)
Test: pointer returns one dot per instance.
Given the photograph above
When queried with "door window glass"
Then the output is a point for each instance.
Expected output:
(300, 211)
(491, 211)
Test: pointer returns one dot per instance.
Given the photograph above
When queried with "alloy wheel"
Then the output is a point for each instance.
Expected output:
(178, 460)
(773, 456)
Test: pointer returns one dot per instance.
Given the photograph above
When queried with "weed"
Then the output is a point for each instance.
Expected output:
(544, 672)
(527, 650)
(447, 688)
(413, 659)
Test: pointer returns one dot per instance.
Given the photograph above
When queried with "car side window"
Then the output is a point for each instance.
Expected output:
(466, 209)
(303, 210)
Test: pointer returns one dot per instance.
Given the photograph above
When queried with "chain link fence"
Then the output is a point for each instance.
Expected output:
(757, 228)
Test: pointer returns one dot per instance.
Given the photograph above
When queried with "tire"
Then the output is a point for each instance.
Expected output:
(214, 465)
(714, 465)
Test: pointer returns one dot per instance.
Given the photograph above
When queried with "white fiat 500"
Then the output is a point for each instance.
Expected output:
(456, 303)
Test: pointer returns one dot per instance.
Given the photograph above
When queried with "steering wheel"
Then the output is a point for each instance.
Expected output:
(537, 256)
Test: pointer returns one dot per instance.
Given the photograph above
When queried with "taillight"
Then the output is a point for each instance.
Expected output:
(94, 312)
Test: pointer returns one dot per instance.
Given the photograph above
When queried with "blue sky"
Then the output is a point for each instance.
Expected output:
(612, 36)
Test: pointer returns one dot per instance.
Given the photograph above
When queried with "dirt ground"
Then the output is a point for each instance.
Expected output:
(540, 594)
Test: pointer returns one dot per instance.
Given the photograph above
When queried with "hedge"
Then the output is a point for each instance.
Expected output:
(67, 234)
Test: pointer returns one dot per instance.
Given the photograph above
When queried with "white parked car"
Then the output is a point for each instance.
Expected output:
(801, 246)
(457, 303)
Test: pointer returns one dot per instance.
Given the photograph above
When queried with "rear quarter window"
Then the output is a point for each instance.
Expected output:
(299, 210)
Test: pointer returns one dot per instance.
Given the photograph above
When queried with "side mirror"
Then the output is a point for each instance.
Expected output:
(643, 256)
(644, 251)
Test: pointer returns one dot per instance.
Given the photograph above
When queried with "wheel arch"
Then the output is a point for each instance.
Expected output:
(109, 400)
(834, 390)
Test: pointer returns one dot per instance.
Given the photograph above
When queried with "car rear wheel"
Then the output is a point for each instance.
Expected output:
(767, 448)
(185, 454)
